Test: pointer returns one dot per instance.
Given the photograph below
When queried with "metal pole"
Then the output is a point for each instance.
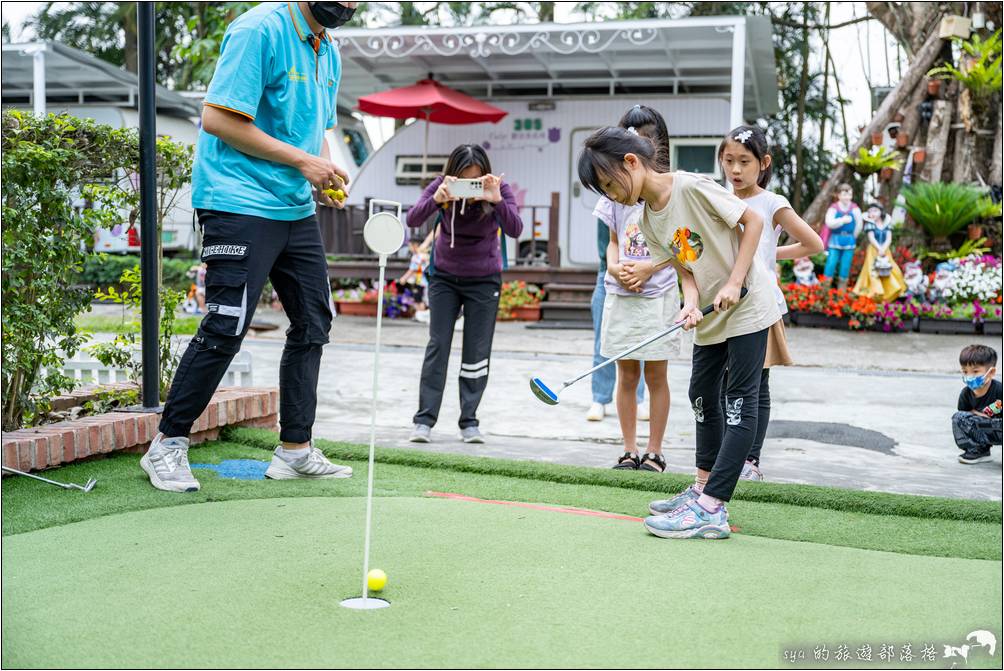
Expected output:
(147, 203)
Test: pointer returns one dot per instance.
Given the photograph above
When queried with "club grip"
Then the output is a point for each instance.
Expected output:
(708, 309)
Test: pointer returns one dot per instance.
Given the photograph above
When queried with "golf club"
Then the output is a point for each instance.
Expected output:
(65, 485)
(544, 393)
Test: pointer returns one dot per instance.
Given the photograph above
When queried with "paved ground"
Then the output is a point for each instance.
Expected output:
(866, 410)
(862, 410)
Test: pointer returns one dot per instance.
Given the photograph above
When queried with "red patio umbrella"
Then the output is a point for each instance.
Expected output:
(432, 101)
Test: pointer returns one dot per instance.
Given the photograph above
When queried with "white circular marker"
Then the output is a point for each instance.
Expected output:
(384, 233)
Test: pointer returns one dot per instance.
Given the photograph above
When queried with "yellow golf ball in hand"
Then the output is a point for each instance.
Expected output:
(376, 580)
(334, 194)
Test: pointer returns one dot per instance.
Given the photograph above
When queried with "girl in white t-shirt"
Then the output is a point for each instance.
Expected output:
(746, 164)
(692, 222)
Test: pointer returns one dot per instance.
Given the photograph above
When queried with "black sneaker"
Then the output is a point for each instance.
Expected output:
(975, 456)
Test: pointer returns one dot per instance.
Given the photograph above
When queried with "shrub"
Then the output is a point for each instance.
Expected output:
(943, 208)
(105, 270)
(49, 163)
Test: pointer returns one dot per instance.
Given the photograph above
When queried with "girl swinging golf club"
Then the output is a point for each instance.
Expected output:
(692, 223)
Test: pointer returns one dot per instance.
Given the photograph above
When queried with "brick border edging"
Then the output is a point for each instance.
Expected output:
(65, 442)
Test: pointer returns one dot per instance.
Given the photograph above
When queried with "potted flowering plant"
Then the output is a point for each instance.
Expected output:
(942, 318)
(519, 300)
(358, 301)
(820, 307)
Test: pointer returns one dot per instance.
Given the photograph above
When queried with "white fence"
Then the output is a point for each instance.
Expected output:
(91, 371)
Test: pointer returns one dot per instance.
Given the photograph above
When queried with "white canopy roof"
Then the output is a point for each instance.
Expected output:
(694, 56)
(72, 76)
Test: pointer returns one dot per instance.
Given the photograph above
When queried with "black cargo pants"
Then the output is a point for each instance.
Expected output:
(241, 252)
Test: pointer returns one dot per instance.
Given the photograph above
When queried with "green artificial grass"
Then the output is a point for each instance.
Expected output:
(811, 496)
(123, 487)
(183, 324)
(256, 583)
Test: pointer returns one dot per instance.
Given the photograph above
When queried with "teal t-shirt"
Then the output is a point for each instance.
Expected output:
(287, 84)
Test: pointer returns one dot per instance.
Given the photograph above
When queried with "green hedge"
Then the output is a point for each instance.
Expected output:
(104, 270)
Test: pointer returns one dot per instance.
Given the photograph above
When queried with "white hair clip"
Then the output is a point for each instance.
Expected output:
(631, 129)
(744, 136)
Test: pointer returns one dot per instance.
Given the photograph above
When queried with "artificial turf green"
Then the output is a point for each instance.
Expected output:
(256, 583)
(811, 496)
(123, 487)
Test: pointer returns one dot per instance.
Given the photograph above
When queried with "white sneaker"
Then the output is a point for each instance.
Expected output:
(422, 316)
(643, 412)
(597, 411)
(750, 472)
(166, 462)
(315, 465)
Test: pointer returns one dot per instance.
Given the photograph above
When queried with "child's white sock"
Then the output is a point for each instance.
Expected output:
(699, 483)
(292, 455)
(709, 503)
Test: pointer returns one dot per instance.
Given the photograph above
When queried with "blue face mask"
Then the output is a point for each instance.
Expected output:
(974, 382)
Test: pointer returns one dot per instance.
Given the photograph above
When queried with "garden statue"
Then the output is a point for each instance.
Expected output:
(880, 278)
(844, 222)
(916, 280)
(805, 272)
(944, 282)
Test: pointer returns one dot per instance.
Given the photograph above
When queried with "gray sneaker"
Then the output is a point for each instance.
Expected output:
(166, 462)
(668, 505)
(750, 472)
(421, 433)
(313, 466)
(471, 434)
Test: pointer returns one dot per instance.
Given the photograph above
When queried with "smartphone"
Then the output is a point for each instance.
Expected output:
(467, 188)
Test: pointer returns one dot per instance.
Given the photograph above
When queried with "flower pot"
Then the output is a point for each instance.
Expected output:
(946, 326)
(818, 321)
(527, 313)
(876, 139)
(902, 140)
(899, 117)
(933, 87)
(355, 309)
(885, 174)
(974, 231)
(919, 155)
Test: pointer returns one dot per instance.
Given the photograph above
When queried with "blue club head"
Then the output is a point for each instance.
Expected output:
(541, 391)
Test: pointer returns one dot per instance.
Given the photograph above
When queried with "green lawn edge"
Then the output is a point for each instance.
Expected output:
(810, 496)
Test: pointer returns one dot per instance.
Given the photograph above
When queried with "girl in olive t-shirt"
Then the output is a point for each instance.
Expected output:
(693, 223)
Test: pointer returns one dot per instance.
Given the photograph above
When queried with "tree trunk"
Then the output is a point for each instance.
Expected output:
(998, 154)
(545, 12)
(911, 79)
(826, 89)
(131, 41)
(802, 86)
(911, 126)
(937, 141)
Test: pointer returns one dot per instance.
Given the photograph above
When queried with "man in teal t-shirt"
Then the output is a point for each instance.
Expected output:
(260, 157)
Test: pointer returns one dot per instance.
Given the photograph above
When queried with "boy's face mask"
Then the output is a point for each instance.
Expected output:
(974, 382)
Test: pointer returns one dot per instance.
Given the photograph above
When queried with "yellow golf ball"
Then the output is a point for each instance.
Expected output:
(334, 194)
(376, 580)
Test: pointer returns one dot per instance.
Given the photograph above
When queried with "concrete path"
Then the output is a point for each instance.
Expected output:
(863, 410)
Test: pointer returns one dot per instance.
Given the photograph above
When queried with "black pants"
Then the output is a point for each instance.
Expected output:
(973, 432)
(479, 297)
(722, 449)
(763, 413)
(241, 252)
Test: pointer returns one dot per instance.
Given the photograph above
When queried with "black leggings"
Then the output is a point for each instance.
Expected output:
(722, 448)
(479, 298)
(763, 413)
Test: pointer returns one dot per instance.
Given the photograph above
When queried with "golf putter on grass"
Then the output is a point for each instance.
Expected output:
(65, 485)
(544, 393)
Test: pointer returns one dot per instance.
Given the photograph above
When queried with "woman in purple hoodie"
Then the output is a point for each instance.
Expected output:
(466, 272)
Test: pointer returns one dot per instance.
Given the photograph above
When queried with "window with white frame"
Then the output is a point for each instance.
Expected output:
(698, 155)
(408, 169)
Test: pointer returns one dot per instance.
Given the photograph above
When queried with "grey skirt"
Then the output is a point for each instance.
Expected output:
(629, 320)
